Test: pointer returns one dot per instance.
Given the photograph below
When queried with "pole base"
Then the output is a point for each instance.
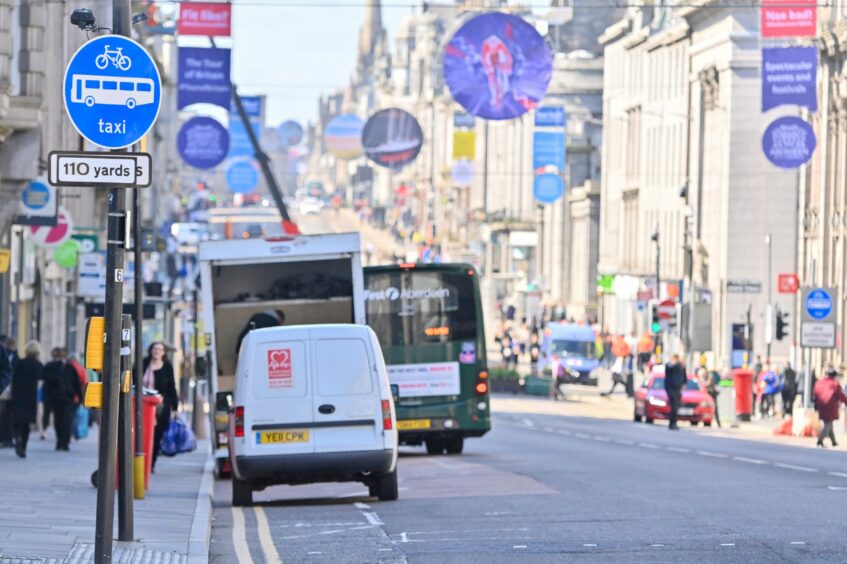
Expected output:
(139, 468)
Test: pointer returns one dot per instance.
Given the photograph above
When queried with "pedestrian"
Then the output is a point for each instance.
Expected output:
(771, 389)
(645, 350)
(24, 402)
(11, 346)
(675, 379)
(757, 374)
(789, 390)
(159, 375)
(66, 392)
(713, 380)
(262, 320)
(5, 395)
(828, 394)
(49, 375)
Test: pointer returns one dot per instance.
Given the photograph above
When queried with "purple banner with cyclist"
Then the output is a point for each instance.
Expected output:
(497, 66)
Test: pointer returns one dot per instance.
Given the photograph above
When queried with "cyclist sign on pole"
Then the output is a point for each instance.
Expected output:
(112, 91)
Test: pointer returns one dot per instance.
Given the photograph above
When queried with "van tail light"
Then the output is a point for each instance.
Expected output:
(239, 421)
(386, 416)
(481, 387)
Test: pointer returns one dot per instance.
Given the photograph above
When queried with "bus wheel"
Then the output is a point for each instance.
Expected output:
(455, 445)
(89, 101)
(434, 446)
(130, 103)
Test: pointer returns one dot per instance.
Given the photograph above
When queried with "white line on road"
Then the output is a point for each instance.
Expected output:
(727, 544)
(602, 439)
(798, 542)
(793, 467)
(589, 545)
(265, 539)
(362, 527)
(549, 429)
(837, 488)
(657, 545)
(677, 449)
(372, 518)
(239, 537)
(581, 436)
(519, 546)
(331, 532)
(528, 422)
(403, 537)
(384, 549)
(315, 552)
(624, 442)
(648, 445)
(712, 454)
(749, 460)
(838, 474)
(360, 505)
(564, 432)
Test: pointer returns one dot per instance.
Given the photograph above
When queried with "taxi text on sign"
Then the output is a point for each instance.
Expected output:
(112, 91)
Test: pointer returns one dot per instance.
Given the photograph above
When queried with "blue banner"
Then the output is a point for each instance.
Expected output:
(203, 77)
(548, 188)
(789, 142)
(550, 116)
(252, 106)
(789, 77)
(239, 141)
(203, 142)
(548, 149)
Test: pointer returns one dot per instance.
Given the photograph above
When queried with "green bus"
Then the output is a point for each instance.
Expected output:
(428, 318)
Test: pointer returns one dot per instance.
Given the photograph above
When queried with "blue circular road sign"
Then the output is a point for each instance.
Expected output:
(818, 304)
(112, 91)
(242, 177)
(548, 188)
(35, 196)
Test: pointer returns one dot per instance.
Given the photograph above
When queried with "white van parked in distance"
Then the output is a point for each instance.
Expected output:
(312, 403)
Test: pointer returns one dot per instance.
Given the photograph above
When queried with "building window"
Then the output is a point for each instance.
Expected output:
(633, 144)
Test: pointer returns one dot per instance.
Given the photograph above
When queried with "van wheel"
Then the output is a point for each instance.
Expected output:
(386, 487)
(434, 446)
(455, 445)
(242, 493)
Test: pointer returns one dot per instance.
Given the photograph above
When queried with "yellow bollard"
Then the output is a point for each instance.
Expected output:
(139, 468)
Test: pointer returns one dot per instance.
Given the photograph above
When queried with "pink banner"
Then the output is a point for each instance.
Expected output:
(205, 18)
(789, 18)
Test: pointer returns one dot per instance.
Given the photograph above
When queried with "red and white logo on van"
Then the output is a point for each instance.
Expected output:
(279, 368)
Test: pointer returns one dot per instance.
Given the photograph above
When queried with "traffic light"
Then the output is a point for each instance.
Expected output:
(781, 324)
(655, 326)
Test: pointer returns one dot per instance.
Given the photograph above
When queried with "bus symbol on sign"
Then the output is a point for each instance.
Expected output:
(112, 91)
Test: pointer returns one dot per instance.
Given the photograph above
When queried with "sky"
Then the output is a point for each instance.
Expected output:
(293, 53)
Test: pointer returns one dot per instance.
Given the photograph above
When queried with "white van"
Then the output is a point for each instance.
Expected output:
(312, 403)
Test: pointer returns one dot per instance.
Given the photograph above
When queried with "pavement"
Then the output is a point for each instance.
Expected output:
(47, 507)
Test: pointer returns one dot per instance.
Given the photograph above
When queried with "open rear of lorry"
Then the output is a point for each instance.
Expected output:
(312, 279)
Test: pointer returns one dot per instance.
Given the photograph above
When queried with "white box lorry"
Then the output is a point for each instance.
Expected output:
(312, 279)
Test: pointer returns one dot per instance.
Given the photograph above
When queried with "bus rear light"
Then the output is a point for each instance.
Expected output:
(386, 415)
(483, 374)
(239, 421)
(482, 388)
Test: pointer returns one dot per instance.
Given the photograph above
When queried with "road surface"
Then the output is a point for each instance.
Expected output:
(547, 488)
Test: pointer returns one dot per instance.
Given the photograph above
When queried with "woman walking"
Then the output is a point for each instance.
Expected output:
(24, 402)
(828, 395)
(159, 375)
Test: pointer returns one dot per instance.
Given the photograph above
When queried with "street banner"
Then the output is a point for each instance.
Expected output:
(253, 106)
(789, 142)
(290, 133)
(463, 120)
(39, 204)
(203, 142)
(548, 150)
(112, 91)
(392, 138)
(205, 18)
(343, 136)
(548, 188)
(462, 173)
(242, 176)
(464, 145)
(789, 18)
(203, 77)
(789, 77)
(239, 140)
(497, 66)
(550, 116)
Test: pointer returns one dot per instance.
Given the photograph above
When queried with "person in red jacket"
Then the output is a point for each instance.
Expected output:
(828, 394)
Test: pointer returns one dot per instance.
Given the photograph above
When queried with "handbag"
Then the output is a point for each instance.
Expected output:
(80, 429)
(177, 438)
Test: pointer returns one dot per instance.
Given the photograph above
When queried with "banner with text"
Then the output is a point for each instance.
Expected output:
(205, 18)
(789, 77)
(789, 18)
(204, 77)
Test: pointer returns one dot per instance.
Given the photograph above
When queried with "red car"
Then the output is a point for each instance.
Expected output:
(651, 401)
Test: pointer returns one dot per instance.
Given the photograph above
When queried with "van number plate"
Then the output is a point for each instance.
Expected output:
(411, 424)
(276, 437)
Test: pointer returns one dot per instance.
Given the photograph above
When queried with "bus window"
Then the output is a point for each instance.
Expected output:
(92, 84)
(110, 85)
(127, 86)
(143, 87)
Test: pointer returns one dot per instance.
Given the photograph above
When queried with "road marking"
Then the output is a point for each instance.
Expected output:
(372, 518)
(798, 542)
(793, 467)
(657, 545)
(838, 474)
(528, 422)
(837, 488)
(648, 445)
(403, 537)
(360, 505)
(677, 449)
(549, 429)
(265, 539)
(624, 442)
(519, 546)
(589, 545)
(331, 532)
(581, 436)
(712, 454)
(362, 527)
(727, 544)
(314, 552)
(564, 432)
(749, 460)
(602, 439)
(239, 537)
(384, 549)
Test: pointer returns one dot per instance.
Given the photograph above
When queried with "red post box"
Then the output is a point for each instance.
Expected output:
(742, 380)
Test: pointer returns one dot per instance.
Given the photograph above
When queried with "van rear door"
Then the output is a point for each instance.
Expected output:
(347, 409)
(278, 416)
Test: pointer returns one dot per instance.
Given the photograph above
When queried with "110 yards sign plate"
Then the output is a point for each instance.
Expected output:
(116, 170)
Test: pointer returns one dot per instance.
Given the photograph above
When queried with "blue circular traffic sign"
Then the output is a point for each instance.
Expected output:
(112, 91)
(242, 177)
(548, 188)
(818, 304)
(35, 196)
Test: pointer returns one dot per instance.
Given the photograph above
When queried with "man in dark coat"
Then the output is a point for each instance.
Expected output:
(828, 395)
(674, 382)
(5, 381)
(263, 320)
(24, 403)
(789, 390)
(65, 391)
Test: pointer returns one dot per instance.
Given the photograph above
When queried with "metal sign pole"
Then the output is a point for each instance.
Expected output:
(139, 461)
(125, 458)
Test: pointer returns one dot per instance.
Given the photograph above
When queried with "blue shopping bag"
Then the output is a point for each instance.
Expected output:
(177, 438)
(80, 429)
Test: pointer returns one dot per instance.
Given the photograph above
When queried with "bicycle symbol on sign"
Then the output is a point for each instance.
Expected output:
(117, 58)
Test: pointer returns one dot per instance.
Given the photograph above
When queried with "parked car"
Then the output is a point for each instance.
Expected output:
(309, 205)
(312, 403)
(651, 401)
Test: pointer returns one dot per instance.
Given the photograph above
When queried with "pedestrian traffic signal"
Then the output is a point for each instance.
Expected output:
(781, 324)
(655, 325)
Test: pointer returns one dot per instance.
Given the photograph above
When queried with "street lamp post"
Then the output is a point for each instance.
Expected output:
(655, 238)
(769, 307)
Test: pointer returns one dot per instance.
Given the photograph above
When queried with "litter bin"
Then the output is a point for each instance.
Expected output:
(148, 404)
(742, 381)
